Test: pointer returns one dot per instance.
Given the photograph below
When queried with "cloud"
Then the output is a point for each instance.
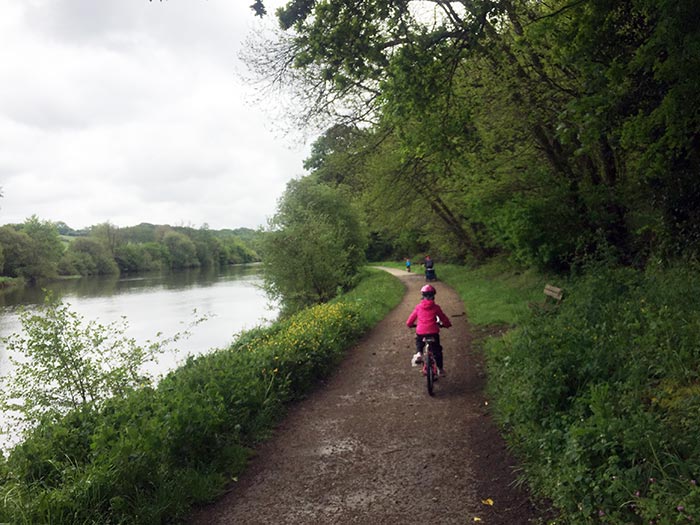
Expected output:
(133, 111)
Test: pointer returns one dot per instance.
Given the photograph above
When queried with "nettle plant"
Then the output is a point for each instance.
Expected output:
(60, 363)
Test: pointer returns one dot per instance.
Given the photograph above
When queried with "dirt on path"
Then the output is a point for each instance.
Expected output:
(371, 447)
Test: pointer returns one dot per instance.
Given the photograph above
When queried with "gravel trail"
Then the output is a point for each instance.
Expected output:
(369, 446)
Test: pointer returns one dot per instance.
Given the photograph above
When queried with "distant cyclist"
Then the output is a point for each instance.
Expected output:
(428, 317)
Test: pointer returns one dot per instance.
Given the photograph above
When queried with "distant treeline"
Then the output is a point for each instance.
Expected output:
(38, 249)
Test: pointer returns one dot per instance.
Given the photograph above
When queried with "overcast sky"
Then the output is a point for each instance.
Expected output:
(133, 111)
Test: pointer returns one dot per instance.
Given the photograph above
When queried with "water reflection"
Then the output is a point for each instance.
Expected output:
(157, 303)
(107, 285)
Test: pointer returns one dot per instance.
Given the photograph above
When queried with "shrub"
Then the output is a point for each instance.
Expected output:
(62, 364)
(601, 398)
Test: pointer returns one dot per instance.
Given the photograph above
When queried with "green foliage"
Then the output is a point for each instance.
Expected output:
(344, 157)
(15, 245)
(108, 235)
(552, 132)
(133, 257)
(60, 364)
(182, 252)
(148, 455)
(315, 246)
(600, 398)
(31, 250)
(149, 247)
(494, 293)
(45, 248)
(88, 256)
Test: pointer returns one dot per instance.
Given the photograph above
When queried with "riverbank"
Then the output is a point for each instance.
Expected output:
(147, 457)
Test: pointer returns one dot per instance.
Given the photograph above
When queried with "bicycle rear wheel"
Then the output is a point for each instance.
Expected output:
(429, 371)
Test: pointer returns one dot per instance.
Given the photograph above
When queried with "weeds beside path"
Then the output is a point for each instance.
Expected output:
(370, 446)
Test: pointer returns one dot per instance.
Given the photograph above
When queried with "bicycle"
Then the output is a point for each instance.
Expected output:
(427, 357)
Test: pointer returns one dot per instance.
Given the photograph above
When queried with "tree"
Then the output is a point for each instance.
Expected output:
(314, 245)
(142, 233)
(64, 229)
(378, 60)
(401, 183)
(107, 234)
(339, 53)
(45, 249)
(554, 129)
(182, 251)
(97, 260)
(16, 248)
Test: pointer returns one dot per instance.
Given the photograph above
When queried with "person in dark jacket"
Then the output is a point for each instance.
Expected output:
(429, 269)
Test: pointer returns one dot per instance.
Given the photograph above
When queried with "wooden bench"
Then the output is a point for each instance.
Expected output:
(552, 298)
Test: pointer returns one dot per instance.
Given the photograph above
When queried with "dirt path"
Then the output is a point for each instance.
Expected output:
(371, 447)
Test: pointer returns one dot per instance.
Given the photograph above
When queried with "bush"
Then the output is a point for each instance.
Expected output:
(601, 399)
(62, 364)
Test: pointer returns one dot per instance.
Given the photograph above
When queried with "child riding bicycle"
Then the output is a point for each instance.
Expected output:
(430, 318)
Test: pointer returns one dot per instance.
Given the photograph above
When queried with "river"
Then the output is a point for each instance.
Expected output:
(157, 302)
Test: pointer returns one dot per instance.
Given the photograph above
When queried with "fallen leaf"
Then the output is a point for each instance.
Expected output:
(487, 501)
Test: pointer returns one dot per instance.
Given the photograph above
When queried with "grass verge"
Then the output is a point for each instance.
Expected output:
(600, 398)
(495, 293)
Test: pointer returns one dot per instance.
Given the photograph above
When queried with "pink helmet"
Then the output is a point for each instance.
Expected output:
(427, 290)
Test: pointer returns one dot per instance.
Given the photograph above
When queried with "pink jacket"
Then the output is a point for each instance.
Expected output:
(426, 313)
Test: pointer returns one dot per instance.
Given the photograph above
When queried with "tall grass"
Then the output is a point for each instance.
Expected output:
(495, 293)
(149, 456)
(601, 399)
